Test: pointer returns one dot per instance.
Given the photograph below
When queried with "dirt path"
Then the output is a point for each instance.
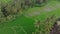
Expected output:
(51, 8)
(47, 8)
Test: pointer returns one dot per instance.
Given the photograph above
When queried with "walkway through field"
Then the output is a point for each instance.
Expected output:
(47, 8)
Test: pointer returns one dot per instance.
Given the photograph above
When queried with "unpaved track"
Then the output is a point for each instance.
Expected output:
(47, 8)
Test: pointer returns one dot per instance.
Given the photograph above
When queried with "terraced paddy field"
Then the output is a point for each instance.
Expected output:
(24, 24)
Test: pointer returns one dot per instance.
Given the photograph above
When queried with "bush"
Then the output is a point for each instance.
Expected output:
(9, 10)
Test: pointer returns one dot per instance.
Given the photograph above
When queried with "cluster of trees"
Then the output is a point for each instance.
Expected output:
(45, 26)
(32, 3)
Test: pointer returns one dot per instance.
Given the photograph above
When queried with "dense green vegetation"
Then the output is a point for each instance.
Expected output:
(10, 8)
(22, 17)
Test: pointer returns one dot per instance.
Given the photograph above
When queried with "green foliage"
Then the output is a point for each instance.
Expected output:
(13, 7)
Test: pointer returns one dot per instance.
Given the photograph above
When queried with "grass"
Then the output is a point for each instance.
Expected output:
(26, 23)
(23, 24)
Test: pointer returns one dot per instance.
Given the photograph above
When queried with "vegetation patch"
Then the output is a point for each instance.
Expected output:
(28, 16)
